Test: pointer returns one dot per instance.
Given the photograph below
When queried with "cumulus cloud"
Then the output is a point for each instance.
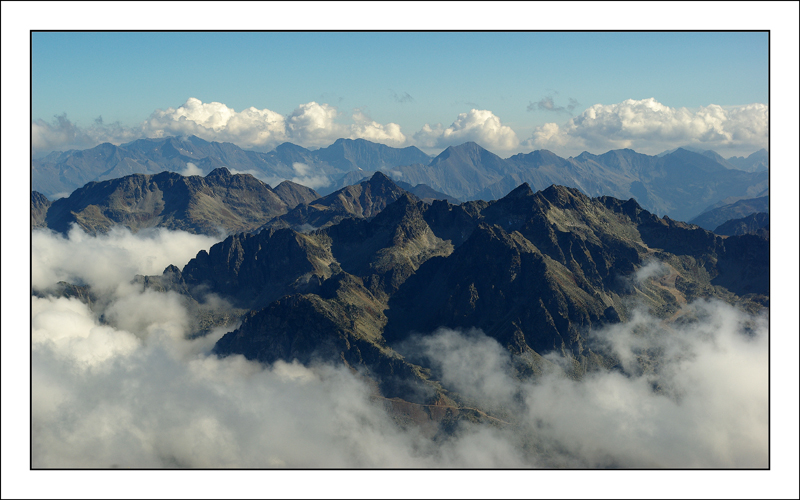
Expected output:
(216, 121)
(648, 126)
(314, 124)
(480, 126)
(120, 384)
(365, 128)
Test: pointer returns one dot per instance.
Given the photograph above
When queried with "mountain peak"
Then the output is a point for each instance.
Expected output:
(379, 178)
(219, 172)
(520, 191)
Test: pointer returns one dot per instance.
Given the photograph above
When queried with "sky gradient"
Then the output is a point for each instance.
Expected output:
(508, 91)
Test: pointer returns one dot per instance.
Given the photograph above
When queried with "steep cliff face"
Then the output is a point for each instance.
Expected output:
(535, 271)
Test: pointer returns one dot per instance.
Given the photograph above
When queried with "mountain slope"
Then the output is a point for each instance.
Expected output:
(742, 208)
(196, 204)
(757, 223)
(756, 162)
(365, 199)
(39, 207)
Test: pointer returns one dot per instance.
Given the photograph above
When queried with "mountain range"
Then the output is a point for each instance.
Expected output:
(681, 183)
(533, 270)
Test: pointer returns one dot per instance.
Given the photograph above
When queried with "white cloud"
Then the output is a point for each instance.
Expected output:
(313, 124)
(480, 126)
(104, 261)
(366, 128)
(62, 134)
(191, 169)
(650, 127)
(216, 121)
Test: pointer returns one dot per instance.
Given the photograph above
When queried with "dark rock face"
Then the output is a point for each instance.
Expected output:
(199, 205)
(534, 270)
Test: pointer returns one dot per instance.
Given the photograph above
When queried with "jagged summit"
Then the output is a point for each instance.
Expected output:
(220, 172)
(523, 190)
(381, 179)
(363, 200)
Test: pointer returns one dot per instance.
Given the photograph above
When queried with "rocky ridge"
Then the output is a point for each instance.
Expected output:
(534, 270)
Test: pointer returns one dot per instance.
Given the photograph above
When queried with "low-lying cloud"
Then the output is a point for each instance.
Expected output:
(105, 261)
(650, 127)
(119, 385)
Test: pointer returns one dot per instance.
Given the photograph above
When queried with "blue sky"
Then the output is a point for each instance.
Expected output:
(125, 76)
(525, 79)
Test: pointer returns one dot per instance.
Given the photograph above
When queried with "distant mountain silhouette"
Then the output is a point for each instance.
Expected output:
(679, 183)
(741, 208)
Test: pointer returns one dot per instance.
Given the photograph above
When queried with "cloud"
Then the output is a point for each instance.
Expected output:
(307, 178)
(653, 268)
(547, 104)
(191, 169)
(62, 134)
(365, 128)
(480, 126)
(216, 121)
(651, 127)
(313, 124)
(688, 395)
(104, 261)
(694, 394)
